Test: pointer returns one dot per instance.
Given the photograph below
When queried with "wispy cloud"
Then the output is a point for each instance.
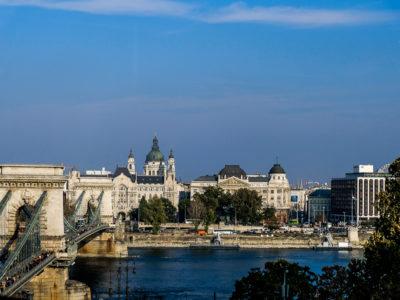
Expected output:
(240, 12)
(129, 7)
(234, 13)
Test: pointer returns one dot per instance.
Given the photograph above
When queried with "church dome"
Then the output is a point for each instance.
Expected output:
(277, 169)
(155, 154)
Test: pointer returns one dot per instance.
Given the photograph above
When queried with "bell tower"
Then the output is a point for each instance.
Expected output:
(131, 163)
(171, 165)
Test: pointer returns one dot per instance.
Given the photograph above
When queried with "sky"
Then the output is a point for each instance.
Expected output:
(313, 85)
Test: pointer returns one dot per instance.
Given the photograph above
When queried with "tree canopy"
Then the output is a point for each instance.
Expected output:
(266, 283)
(248, 206)
(215, 205)
(154, 214)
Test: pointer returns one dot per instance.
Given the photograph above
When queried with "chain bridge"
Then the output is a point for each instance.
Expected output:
(35, 234)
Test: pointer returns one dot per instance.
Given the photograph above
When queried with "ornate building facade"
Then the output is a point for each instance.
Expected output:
(273, 188)
(126, 187)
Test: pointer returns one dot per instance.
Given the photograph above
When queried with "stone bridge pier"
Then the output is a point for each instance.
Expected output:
(54, 283)
(21, 186)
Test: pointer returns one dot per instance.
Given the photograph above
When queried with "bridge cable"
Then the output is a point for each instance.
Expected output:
(96, 213)
(25, 236)
(4, 201)
(78, 206)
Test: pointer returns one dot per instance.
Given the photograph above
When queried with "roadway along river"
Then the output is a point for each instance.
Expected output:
(191, 274)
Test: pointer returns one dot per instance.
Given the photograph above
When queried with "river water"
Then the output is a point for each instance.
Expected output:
(189, 274)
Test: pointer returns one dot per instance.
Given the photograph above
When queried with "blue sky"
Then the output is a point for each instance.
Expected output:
(316, 83)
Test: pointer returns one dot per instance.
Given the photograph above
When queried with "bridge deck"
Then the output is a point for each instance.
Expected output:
(79, 237)
(26, 277)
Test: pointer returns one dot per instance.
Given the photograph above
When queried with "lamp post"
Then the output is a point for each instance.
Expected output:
(235, 219)
(285, 287)
(314, 215)
(344, 219)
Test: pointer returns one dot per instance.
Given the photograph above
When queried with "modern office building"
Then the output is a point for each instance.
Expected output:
(355, 195)
(319, 205)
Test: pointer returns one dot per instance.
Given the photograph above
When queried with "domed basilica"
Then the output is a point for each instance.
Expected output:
(125, 187)
(158, 180)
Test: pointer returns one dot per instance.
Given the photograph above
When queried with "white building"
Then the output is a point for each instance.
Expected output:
(273, 188)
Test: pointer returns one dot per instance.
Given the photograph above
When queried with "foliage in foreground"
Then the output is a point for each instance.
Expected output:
(376, 276)
(266, 283)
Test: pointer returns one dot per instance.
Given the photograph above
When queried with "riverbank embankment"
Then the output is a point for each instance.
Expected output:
(285, 240)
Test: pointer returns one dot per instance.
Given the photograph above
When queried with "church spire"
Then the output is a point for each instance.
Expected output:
(130, 154)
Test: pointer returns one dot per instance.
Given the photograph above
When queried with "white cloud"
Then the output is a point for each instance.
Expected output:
(129, 7)
(239, 12)
(234, 13)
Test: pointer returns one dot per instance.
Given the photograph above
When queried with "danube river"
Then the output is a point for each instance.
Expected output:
(189, 274)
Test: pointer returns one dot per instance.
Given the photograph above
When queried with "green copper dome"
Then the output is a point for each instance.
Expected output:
(155, 154)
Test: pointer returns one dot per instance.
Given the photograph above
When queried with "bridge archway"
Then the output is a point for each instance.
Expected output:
(18, 215)
(121, 216)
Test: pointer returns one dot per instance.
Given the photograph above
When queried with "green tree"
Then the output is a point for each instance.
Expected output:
(248, 206)
(210, 199)
(142, 209)
(209, 218)
(333, 283)
(183, 208)
(170, 210)
(155, 214)
(197, 210)
(270, 219)
(382, 251)
(266, 284)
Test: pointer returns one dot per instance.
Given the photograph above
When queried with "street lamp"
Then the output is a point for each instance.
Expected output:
(235, 219)
(285, 287)
(344, 219)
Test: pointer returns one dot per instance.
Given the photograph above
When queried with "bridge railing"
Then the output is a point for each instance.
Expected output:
(9, 286)
(88, 231)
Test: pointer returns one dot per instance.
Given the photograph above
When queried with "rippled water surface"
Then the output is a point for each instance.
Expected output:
(189, 274)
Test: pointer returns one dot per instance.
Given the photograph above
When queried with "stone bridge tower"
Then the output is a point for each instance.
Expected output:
(21, 186)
